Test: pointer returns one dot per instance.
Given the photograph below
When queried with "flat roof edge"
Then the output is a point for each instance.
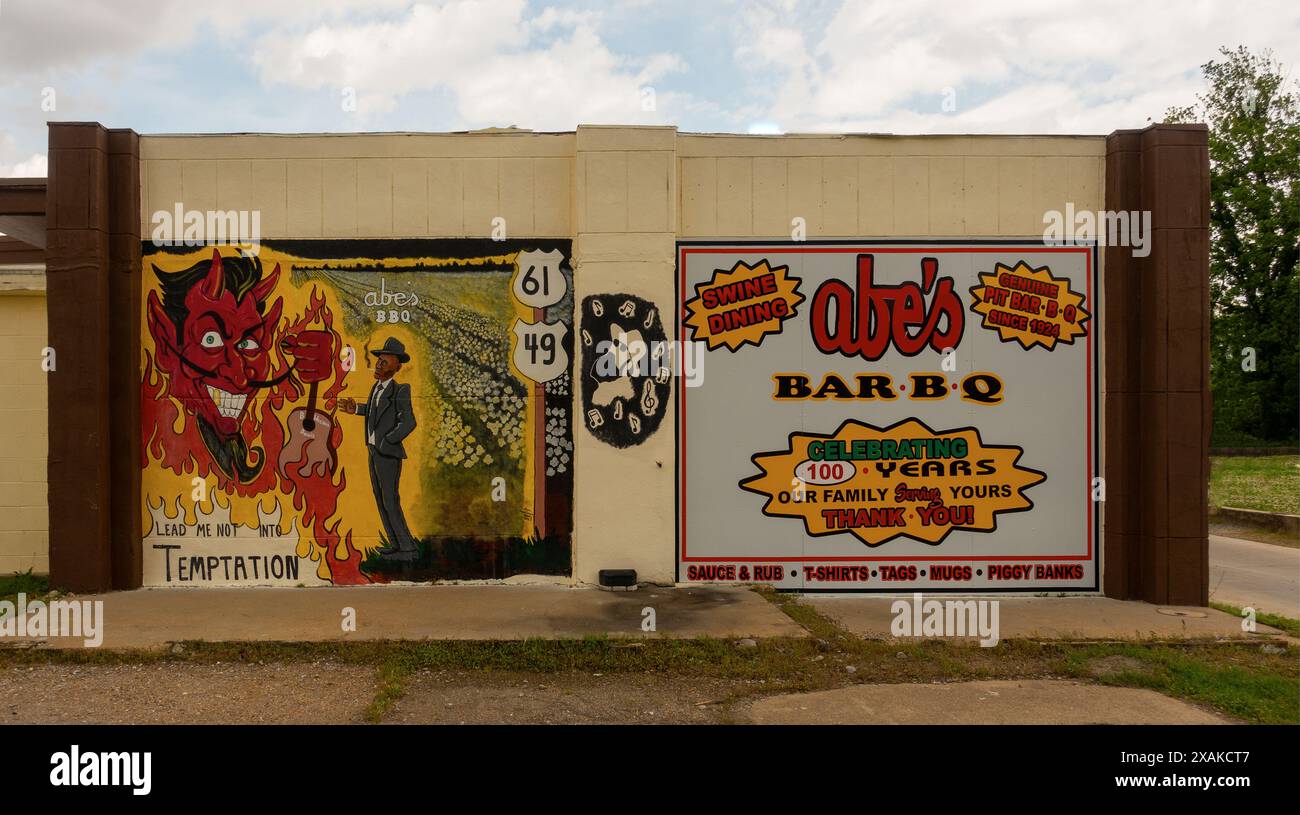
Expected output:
(696, 134)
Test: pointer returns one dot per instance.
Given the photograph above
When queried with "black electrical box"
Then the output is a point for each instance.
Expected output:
(617, 578)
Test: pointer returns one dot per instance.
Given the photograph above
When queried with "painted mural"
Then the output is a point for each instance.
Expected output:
(357, 411)
(626, 386)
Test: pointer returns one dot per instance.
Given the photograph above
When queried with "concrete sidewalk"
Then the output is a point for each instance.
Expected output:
(1100, 618)
(151, 618)
(1018, 701)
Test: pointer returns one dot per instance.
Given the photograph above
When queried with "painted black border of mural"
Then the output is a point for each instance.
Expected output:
(326, 248)
(1096, 330)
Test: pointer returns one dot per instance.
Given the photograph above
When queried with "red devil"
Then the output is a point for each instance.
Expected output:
(214, 335)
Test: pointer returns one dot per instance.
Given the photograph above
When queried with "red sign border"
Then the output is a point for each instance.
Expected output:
(939, 246)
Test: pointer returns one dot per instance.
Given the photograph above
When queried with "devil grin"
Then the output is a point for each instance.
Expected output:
(229, 405)
(230, 451)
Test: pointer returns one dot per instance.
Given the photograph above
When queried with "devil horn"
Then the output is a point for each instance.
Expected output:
(266, 285)
(212, 284)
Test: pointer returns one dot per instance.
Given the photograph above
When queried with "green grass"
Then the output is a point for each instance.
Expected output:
(1232, 437)
(1239, 680)
(1279, 622)
(390, 688)
(32, 585)
(1268, 483)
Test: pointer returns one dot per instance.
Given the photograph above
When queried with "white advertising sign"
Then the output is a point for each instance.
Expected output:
(890, 416)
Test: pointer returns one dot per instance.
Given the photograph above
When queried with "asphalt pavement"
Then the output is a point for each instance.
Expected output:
(1263, 576)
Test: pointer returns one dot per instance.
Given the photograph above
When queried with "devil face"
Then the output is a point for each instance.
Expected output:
(218, 354)
(224, 352)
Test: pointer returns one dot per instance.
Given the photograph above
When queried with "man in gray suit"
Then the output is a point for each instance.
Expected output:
(389, 419)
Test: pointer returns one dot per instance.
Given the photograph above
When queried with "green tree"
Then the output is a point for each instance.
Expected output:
(1254, 122)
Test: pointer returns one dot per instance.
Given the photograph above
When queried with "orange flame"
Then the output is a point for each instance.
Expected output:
(183, 451)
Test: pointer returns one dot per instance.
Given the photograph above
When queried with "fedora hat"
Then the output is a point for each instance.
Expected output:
(392, 347)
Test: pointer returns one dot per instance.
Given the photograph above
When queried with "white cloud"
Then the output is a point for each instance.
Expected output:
(38, 36)
(1086, 66)
(15, 164)
(34, 167)
(495, 62)
(1077, 66)
(550, 71)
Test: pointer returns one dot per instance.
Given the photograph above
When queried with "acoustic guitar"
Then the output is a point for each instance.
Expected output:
(310, 446)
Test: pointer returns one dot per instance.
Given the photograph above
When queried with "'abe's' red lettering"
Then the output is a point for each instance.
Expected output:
(867, 323)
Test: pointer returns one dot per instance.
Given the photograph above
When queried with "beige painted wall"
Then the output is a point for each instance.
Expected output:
(24, 517)
(367, 186)
(625, 195)
(626, 190)
(884, 186)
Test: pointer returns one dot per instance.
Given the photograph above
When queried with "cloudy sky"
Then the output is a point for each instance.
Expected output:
(760, 66)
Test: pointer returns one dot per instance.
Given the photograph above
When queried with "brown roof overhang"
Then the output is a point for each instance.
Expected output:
(22, 210)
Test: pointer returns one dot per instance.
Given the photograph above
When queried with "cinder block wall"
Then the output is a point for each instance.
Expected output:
(24, 433)
(884, 186)
(626, 235)
(625, 195)
(368, 186)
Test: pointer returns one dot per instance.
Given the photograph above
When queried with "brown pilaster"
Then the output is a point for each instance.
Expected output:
(90, 183)
(76, 269)
(124, 354)
(1122, 359)
(1157, 369)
